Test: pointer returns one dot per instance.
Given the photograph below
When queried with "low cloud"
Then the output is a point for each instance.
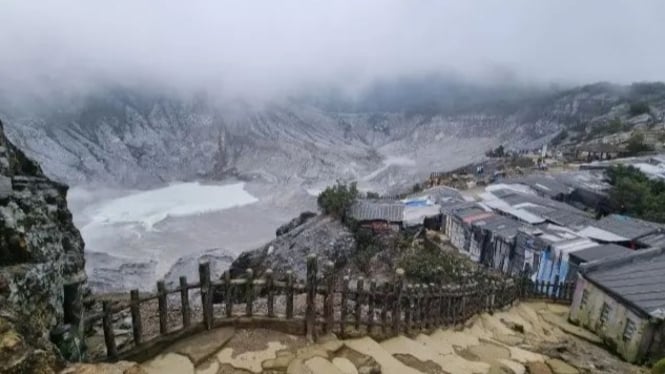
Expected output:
(267, 48)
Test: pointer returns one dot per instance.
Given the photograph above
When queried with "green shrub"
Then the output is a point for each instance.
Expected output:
(636, 195)
(636, 144)
(639, 108)
(431, 265)
(658, 367)
(367, 246)
(496, 152)
(372, 195)
(337, 199)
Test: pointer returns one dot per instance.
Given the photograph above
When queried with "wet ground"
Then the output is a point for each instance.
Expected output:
(528, 338)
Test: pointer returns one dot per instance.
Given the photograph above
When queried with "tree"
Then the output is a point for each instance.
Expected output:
(636, 144)
(337, 199)
(634, 194)
(638, 108)
(496, 152)
(372, 195)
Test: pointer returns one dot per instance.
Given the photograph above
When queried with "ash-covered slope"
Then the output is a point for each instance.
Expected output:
(388, 136)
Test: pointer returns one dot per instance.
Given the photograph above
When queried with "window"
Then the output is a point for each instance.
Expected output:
(604, 314)
(629, 330)
(585, 298)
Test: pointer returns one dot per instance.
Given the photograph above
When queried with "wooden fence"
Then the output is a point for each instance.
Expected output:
(321, 304)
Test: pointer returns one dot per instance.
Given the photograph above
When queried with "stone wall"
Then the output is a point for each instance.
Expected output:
(42, 274)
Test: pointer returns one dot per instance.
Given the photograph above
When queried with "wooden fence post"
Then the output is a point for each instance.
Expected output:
(417, 307)
(343, 312)
(384, 307)
(555, 289)
(135, 308)
(249, 293)
(228, 295)
(490, 298)
(109, 335)
(456, 304)
(397, 302)
(427, 317)
(463, 304)
(161, 302)
(329, 302)
(310, 313)
(289, 294)
(360, 295)
(441, 320)
(271, 293)
(408, 312)
(370, 305)
(433, 306)
(206, 304)
(184, 303)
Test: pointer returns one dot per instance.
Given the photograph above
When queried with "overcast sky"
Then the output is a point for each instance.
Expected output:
(273, 46)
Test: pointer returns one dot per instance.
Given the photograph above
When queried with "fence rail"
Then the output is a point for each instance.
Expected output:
(322, 304)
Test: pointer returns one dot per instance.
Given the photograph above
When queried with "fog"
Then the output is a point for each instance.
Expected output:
(268, 48)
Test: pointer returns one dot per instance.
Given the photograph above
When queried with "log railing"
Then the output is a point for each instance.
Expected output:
(322, 304)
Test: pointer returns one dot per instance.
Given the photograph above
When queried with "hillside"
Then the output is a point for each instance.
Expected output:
(390, 134)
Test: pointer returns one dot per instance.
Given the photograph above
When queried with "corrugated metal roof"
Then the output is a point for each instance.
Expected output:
(627, 227)
(416, 215)
(600, 252)
(545, 184)
(440, 194)
(529, 206)
(477, 216)
(500, 226)
(369, 210)
(656, 240)
(636, 278)
(602, 235)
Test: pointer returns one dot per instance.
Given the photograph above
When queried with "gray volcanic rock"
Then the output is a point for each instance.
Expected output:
(115, 274)
(324, 236)
(302, 218)
(42, 276)
(219, 260)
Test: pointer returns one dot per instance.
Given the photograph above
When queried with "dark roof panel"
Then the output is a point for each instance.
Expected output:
(638, 278)
(628, 227)
(369, 210)
(600, 252)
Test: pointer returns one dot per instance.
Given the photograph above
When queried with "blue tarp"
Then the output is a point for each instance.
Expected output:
(417, 203)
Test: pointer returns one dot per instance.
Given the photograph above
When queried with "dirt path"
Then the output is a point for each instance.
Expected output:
(528, 338)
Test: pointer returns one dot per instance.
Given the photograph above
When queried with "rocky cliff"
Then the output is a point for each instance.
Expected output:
(323, 235)
(42, 276)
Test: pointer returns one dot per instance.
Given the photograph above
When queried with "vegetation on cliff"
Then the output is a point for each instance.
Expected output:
(634, 194)
(335, 200)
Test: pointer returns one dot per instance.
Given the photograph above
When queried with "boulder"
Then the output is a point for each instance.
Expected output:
(302, 218)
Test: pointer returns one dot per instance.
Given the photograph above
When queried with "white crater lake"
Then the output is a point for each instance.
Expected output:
(133, 238)
(176, 200)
